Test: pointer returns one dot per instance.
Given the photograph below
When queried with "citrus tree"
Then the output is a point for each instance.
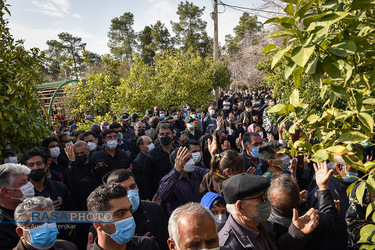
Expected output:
(333, 42)
(22, 118)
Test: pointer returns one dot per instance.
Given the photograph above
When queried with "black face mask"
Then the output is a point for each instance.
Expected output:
(239, 129)
(80, 160)
(100, 172)
(235, 109)
(37, 175)
(165, 140)
(141, 132)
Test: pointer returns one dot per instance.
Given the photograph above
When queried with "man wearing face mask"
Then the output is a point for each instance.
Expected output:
(149, 216)
(192, 131)
(274, 162)
(33, 235)
(250, 116)
(251, 143)
(144, 144)
(247, 226)
(210, 120)
(10, 154)
(139, 130)
(157, 163)
(127, 129)
(181, 185)
(57, 166)
(14, 188)
(116, 158)
(119, 234)
(122, 143)
(91, 138)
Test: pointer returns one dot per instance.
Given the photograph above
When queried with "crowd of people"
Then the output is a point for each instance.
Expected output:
(182, 178)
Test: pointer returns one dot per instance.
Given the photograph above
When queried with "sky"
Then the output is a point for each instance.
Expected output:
(36, 21)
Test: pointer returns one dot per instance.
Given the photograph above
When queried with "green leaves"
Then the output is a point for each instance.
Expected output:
(344, 48)
(279, 55)
(352, 137)
(301, 55)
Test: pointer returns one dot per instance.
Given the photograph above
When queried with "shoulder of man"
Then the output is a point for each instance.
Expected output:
(63, 244)
(142, 242)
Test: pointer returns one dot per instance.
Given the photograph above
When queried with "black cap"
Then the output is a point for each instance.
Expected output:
(243, 185)
(10, 148)
(124, 118)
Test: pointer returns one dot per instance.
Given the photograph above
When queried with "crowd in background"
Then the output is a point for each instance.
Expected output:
(183, 178)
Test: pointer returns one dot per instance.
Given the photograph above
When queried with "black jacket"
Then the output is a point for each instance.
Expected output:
(328, 224)
(136, 243)
(8, 236)
(138, 170)
(157, 165)
(119, 161)
(150, 217)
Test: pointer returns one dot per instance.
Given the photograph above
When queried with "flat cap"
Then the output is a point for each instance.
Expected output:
(243, 185)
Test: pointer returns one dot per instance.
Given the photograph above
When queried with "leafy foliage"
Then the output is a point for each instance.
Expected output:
(333, 41)
(22, 120)
(174, 78)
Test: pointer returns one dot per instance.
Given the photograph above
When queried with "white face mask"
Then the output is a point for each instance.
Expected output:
(194, 116)
(91, 145)
(285, 162)
(189, 166)
(71, 143)
(249, 109)
(55, 152)
(11, 159)
(175, 117)
(112, 144)
(211, 112)
(27, 191)
(151, 147)
(196, 157)
(190, 125)
(220, 220)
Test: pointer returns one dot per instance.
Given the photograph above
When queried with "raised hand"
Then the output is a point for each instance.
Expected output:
(238, 144)
(302, 196)
(322, 175)
(306, 223)
(226, 146)
(212, 146)
(69, 150)
(219, 123)
(293, 168)
(245, 119)
(90, 242)
(251, 170)
(182, 157)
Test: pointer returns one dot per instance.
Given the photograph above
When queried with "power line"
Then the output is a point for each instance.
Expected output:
(239, 8)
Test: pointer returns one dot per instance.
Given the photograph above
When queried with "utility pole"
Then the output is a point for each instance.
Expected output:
(215, 16)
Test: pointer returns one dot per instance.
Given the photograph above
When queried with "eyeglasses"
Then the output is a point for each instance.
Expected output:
(263, 198)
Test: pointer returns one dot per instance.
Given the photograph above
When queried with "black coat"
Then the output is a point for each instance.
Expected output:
(138, 171)
(8, 236)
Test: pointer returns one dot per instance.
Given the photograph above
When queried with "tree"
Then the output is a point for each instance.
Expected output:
(175, 78)
(122, 38)
(247, 27)
(22, 120)
(64, 57)
(145, 40)
(161, 37)
(332, 41)
(191, 29)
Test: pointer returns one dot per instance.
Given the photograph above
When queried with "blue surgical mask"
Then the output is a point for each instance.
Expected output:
(255, 152)
(124, 231)
(350, 177)
(133, 196)
(43, 237)
(162, 116)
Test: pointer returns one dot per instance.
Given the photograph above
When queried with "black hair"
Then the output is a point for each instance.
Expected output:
(42, 152)
(61, 128)
(87, 133)
(62, 136)
(267, 151)
(114, 125)
(99, 199)
(248, 103)
(119, 175)
(220, 202)
(227, 159)
(107, 131)
(246, 138)
(80, 131)
(164, 125)
(190, 142)
(50, 139)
